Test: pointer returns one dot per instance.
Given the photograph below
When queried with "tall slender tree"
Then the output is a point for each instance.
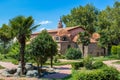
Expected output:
(22, 28)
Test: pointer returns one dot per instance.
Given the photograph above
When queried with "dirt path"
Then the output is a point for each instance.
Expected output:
(62, 71)
(111, 63)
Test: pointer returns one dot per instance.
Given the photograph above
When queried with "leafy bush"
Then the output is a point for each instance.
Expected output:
(73, 53)
(115, 50)
(56, 59)
(118, 51)
(97, 64)
(88, 75)
(1, 56)
(87, 62)
(76, 65)
(15, 62)
(110, 73)
(1, 67)
(97, 74)
(14, 51)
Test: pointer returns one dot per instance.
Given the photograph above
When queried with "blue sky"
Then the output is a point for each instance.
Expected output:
(46, 12)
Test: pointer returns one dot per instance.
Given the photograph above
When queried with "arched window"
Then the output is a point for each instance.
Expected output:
(56, 38)
(64, 38)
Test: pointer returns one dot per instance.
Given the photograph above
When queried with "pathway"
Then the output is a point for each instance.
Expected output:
(111, 63)
(62, 71)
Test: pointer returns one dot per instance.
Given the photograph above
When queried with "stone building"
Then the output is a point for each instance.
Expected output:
(67, 37)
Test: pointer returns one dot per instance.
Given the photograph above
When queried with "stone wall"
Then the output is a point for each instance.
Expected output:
(95, 50)
(65, 45)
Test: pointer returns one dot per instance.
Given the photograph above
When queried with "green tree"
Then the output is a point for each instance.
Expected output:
(42, 47)
(51, 47)
(22, 28)
(85, 16)
(5, 37)
(84, 39)
(108, 26)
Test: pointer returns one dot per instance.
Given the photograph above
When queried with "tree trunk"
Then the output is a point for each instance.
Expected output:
(38, 68)
(4, 50)
(51, 60)
(22, 53)
(83, 49)
(41, 63)
(109, 49)
(104, 51)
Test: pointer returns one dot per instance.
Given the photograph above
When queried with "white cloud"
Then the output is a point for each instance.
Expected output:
(45, 22)
(42, 28)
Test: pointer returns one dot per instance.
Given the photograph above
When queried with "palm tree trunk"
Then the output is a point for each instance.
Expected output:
(22, 52)
(51, 59)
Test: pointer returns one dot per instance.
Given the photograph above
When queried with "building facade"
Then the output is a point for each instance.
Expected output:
(67, 37)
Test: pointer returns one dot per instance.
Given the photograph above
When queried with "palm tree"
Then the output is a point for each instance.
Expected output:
(22, 28)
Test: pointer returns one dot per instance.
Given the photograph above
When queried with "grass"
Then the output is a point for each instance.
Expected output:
(60, 63)
(102, 58)
(1, 67)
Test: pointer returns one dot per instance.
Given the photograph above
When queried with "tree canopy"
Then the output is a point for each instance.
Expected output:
(109, 26)
(5, 37)
(42, 47)
(85, 16)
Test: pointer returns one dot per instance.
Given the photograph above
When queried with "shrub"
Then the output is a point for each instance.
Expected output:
(87, 62)
(97, 74)
(1, 67)
(1, 56)
(97, 64)
(114, 50)
(73, 53)
(76, 65)
(88, 75)
(14, 51)
(118, 51)
(56, 59)
(15, 62)
(110, 73)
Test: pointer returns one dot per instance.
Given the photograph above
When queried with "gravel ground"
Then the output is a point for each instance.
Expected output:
(63, 71)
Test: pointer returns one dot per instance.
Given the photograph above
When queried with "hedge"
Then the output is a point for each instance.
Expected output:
(106, 73)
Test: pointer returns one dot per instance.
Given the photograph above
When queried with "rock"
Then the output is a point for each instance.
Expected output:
(19, 65)
(12, 71)
(32, 73)
(29, 66)
(18, 72)
(51, 70)
(6, 74)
